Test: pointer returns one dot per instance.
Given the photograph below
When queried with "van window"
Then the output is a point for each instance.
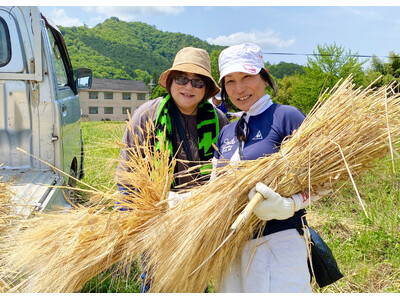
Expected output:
(5, 46)
(58, 62)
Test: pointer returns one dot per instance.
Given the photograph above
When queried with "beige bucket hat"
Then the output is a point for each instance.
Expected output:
(191, 60)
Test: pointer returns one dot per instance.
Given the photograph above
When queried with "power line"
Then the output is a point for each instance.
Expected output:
(318, 54)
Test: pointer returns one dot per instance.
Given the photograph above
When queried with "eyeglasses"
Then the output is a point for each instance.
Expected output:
(183, 80)
(242, 129)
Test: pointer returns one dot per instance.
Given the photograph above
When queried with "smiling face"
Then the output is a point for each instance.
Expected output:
(244, 89)
(187, 97)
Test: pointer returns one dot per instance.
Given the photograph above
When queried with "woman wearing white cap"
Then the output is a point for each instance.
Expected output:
(191, 123)
(279, 263)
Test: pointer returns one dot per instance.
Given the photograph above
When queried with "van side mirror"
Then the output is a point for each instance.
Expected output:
(83, 78)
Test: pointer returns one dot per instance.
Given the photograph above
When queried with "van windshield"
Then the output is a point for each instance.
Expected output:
(5, 47)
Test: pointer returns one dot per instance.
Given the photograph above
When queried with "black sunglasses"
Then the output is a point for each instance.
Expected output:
(242, 129)
(183, 80)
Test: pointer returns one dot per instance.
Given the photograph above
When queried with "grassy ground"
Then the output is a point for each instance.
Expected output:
(101, 151)
(366, 248)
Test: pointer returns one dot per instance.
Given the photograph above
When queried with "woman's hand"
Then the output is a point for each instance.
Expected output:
(174, 198)
(274, 206)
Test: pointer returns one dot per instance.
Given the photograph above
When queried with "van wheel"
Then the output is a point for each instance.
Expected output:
(72, 178)
(72, 194)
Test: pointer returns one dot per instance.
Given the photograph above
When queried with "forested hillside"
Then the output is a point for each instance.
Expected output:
(284, 69)
(126, 50)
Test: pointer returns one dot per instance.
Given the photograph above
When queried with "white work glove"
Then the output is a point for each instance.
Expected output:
(274, 206)
(174, 198)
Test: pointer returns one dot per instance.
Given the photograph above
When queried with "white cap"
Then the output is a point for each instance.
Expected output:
(246, 58)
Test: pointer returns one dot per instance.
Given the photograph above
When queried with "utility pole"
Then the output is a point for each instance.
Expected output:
(152, 85)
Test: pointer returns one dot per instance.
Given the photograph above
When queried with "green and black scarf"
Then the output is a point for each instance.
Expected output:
(207, 129)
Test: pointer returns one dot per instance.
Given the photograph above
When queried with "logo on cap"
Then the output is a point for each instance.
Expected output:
(250, 68)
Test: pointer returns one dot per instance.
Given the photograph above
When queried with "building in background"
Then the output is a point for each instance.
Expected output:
(111, 99)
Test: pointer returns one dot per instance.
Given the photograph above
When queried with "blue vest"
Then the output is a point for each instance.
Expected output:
(266, 133)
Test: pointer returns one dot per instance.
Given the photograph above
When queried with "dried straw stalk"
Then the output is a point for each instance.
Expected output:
(5, 220)
(346, 131)
(5, 208)
(7, 211)
(60, 252)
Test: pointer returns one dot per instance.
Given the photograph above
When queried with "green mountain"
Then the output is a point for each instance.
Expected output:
(285, 69)
(126, 50)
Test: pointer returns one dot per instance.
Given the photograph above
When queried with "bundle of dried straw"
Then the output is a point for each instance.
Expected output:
(60, 252)
(347, 130)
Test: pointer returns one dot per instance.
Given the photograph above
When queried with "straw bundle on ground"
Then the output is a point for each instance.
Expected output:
(347, 130)
(60, 252)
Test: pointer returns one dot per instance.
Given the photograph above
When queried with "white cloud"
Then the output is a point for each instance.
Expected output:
(130, 13)
(266, 40)
(368, 12)
(59, 17)
(95, 20)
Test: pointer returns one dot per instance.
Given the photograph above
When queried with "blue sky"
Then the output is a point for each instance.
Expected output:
(364, 29)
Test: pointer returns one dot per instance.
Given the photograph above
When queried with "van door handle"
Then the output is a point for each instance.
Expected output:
(64, 110)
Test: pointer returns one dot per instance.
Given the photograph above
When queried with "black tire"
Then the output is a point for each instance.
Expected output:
(72, 194)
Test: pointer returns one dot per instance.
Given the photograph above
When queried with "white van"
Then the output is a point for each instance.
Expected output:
(39, 109)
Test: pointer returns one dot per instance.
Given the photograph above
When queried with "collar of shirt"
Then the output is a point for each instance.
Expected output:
(260, 106)
(257, 108)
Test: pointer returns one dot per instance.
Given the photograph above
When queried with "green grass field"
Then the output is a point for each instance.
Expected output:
(101, 151)
(367, 249)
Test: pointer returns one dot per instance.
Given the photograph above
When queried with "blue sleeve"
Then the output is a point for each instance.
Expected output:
(221, 133)
(122, 189)
(120, 205)
(222, 108)
(292, 120)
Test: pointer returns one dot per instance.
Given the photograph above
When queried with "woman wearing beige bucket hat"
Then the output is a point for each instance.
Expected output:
(191, 124)
(183, 111)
